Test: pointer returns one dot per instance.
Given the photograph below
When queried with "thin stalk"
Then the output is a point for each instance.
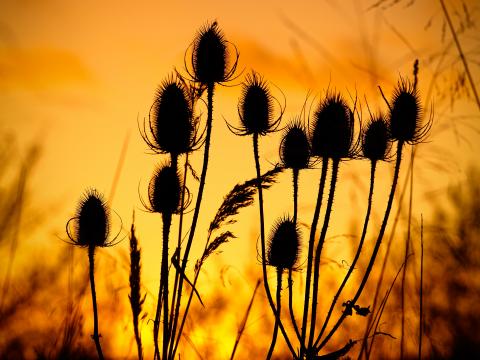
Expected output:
(167, 221)
(318, 250)
(210, 91)
(420, 333)
(295, 173)
(262, 241)
(277, 317)
(95, 336)
(357, 255)
(290, 304)
(460, 53)
(311, 244)
(377, 245)
(384, 264)
(173, 314)
(407, 250)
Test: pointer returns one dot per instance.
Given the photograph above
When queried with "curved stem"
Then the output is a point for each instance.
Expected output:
(311, 244)
(318, 250)
(262, 240)
(95, 336)
(377, 245)
(277, 317)
(357, 255)
(210, 90)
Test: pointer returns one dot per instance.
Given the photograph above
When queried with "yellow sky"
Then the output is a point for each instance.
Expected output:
(75, 76)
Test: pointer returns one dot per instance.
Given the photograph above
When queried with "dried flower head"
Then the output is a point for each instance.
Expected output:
(210, 56)
(294, 148)
(284, 244)
(405, 114)
(91, 224)
(376, 141)
(333, 129)
(171, 122)
(164, 191)
(256, 107)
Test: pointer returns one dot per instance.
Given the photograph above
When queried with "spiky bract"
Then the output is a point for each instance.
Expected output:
(171, 123)
(284, 244)
(376, 141)
(91, 222)
(405, 113)
(210, 55)
(164, 191)
(333, 129)
(294, 148)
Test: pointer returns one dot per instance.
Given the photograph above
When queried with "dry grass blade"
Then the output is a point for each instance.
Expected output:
(213, 246)
(184, 277)
(136, 299)
(242, 195)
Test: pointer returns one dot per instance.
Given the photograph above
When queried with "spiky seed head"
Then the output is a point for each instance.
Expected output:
(405, 113)
(376, 140)
(332, 133)
(255, 105)
(210, 54)
(284, 244)
(172, 122)
(164, 190)
(92, 221)
(294, 148)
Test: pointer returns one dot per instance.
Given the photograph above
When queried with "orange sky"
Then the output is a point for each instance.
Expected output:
(74, 76)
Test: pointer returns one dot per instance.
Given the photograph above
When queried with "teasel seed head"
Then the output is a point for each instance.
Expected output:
(295, 148)
(284, 244)
(210, 55)
(91, 225)
(164, 191)
(256, 107)
(405, 114)
(376, 141)
(333, 129)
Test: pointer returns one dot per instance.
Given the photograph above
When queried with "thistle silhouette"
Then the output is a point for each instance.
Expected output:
(91, 229)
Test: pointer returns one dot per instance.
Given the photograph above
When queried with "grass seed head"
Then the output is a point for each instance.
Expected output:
(294, 148)
(284, 244)
(91, 222)
(332, 133)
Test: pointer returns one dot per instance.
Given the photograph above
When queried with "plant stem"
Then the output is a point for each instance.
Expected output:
(318, 250)
(210, 91)
(311, 244)
(95, 336)
(377, 245)
(262, 240)
(167, 221)
(357, 255)
(277, 317)
(290, 304)
(174, 316)
(295, 173)
(420, 333)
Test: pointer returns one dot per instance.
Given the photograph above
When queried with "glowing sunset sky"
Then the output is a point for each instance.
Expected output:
(76, 75)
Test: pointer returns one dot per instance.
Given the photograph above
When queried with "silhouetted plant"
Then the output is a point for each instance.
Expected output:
(91, 229)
